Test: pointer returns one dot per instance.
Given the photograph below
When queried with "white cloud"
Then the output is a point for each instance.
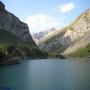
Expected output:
(41, 22)
(66, 7)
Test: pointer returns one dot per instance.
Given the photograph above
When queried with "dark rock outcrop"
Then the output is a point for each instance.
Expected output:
(14, 32)
(60, 56)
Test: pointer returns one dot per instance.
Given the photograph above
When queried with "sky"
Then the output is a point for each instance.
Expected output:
(42, 15)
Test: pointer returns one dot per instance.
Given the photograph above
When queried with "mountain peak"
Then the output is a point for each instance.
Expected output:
(2, 6)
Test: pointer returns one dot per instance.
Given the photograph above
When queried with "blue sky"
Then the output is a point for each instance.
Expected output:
(44, 14)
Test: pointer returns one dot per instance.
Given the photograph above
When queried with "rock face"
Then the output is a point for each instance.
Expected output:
(15, 40)
(53, 42)
(82, 42)
(11, 23)
(79, 33)
(69, 39)
(79, 27)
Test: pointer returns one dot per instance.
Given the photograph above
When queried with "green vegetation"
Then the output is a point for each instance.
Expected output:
(8, 37)
(82, 52)
(8, 52)
(19, 50)
(11, 48)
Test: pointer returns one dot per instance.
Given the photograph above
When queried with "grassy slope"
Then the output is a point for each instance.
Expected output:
(8, 37)
(82, 52)
(7, 40)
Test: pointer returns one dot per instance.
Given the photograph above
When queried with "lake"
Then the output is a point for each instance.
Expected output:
(46, 75)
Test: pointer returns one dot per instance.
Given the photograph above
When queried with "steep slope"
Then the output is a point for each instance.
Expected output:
(75, 49)
(79, 27)
(15, 39)
(8, 37)
(53, 42)
(74, 36)
(79, 33)
(11, 23)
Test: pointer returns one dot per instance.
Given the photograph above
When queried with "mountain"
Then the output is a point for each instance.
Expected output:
(70, 39)
(38, 36)
(9, 22)
(15, 38)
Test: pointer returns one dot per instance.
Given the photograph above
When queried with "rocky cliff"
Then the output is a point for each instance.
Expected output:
(15, 39)
(79, 27)
(79, 33)
(11, 23)
(64, 41)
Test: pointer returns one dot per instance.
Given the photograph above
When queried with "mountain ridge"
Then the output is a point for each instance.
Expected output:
(76, 30)
(16, 41)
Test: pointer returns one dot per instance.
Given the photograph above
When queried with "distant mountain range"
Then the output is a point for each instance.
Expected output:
(38, 36)
(73, 40)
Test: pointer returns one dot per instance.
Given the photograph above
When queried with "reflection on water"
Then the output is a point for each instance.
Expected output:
(47, 75)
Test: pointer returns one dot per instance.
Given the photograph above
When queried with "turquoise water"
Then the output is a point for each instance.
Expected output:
(46, 75)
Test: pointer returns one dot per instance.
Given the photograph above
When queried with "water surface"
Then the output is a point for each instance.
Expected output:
(46, 75)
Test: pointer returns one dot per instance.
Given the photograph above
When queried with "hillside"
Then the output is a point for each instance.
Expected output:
(79, 48)
(8, 37)
(15, 39)
(69, 39)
